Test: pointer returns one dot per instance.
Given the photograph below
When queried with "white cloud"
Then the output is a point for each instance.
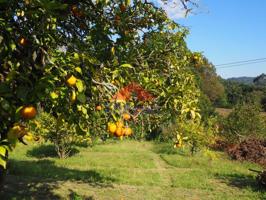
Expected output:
(173, 8)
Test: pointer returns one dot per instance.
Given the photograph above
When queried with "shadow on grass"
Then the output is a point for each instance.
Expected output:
(243, 181)
(27, 188)
(38, 179)
(46, 151)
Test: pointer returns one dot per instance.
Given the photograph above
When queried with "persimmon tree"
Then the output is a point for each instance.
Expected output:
(66, 57)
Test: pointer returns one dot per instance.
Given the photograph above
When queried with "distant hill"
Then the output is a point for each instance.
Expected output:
(260, 80)
(243, 79)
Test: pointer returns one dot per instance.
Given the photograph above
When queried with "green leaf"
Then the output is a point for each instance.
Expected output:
(22, 92)
(114, 117)
(3, 1)
(4, 89)
(12, 46)
(18, 109)
(5, 105)
(81, 98)
(9, 29)
(80, 85)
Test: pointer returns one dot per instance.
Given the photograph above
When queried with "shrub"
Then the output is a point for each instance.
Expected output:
(245, 120)
(195, 134)
(206, 107)
(56, 130)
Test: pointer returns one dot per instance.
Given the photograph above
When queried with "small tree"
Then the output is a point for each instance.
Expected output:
(244, 121)
(57, 131)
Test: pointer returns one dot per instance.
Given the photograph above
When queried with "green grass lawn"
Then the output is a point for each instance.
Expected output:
(127, 170)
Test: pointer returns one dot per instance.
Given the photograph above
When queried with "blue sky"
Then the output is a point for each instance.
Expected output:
(229, 31)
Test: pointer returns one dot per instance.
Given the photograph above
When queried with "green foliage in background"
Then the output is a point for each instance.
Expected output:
(244, 121)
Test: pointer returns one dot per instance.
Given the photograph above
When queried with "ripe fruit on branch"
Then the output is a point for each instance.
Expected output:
(127, 131)
(22, 41)
(112, 127)
(28, 112)
(126, 116)
(119, 124)
(119, 132)
(98, 107)
(71, 81)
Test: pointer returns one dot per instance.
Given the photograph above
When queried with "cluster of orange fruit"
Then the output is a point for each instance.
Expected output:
(19, 131)
(118, 129)
(29, 112)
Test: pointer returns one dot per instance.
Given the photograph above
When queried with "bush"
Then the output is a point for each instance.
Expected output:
(195, 134)
(206, 107)
(56, 130)
(244, 121)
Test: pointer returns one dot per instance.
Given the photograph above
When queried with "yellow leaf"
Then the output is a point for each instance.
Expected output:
(80, 85)
(3, 151)
(28, 137)
(193, 114)
(113, 50)
(2, 163)
(127, 2)
(76, 55)
(78, 69)
(198, 115)
(53, 95)
(126, 65)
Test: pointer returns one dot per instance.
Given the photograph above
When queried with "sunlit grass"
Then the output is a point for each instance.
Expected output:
(129, 170)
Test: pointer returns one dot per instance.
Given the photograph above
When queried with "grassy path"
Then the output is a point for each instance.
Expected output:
(127, 170)
(161, 168)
